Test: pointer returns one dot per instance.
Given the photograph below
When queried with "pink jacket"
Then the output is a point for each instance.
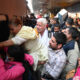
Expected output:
(29, 58)
(13, 70)
(77, 74)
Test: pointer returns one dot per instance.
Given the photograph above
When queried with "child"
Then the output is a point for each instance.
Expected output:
(17, 67)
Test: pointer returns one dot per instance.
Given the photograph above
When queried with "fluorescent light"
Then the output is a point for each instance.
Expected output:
(30, 5)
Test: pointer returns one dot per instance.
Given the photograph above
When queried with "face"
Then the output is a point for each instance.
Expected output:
(52, 21)
(66, 23)
(53, 43)
(56, 29)
(66, 32)
(40, 27)
(14, 29)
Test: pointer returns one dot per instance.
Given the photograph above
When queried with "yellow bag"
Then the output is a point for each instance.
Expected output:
(70, 74)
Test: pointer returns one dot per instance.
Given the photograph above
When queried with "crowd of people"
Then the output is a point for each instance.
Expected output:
(28, 52)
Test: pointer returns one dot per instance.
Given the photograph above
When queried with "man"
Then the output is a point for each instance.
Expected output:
(26, 36)
(57, 28)
(72, 50)
(57, 58)
(42, 30)
(53, 22)
(69, 22)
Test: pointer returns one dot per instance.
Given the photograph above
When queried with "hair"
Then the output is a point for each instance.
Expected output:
(42, 20)
(60, 38)
(70, 21)
(74, 32)
(15, 21)
(17, 52)
(4, 33)
(56, 19)
(32, 16)
(4, 28)
(2, 53)
(57, 25)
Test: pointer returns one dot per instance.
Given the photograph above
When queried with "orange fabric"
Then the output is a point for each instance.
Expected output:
(36, 32)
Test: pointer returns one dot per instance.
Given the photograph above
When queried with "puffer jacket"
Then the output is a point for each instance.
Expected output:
(13, 70)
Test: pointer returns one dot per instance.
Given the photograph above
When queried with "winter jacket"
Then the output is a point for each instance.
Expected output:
(13, 70)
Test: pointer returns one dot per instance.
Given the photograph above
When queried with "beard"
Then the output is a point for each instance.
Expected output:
(52, 47)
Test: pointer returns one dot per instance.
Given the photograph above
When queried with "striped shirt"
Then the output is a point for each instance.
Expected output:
(56, 62)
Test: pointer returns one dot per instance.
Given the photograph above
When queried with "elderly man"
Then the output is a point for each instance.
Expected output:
(42, 30)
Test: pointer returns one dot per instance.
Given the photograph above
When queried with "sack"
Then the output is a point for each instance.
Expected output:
(70, 74)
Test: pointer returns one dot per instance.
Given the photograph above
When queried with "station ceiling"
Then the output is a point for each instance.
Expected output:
(50, 4)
